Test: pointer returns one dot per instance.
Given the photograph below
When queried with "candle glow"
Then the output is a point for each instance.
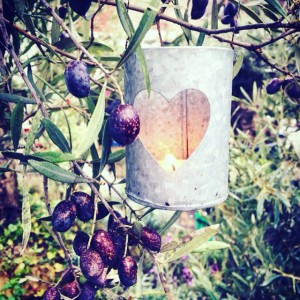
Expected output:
(170, 163)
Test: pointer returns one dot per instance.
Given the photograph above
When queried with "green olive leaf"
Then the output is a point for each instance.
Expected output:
(95, 124)
(192, 241)
(56, 135)
(16, 122)
(55, 172)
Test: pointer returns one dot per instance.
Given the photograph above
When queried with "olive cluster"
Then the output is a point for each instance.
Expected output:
(108, 249)
(289, 85)
(230, 10)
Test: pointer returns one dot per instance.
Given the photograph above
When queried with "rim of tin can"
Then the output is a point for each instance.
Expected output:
(148, 203)
(187, 48)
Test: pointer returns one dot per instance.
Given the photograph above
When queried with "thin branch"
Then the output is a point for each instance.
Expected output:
(163, 280)
(92, 29)
(293, 277)
(272, 25)
(81, 48)
(36, 40)
(12, 52)
(124, 200)
(264, 59)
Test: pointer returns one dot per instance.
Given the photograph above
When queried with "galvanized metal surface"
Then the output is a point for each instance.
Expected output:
(188, 115)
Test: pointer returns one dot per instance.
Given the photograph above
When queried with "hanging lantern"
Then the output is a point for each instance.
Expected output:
(180, 160)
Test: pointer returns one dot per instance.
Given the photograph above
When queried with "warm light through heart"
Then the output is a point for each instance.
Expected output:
(170, 163)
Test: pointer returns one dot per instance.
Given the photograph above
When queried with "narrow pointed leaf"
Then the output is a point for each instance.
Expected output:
(192, 241)
(116, 156)
(16, 155)
(96, 163)
(214, 15)
(275, 5)
(297, 58)
(15, 99)
(20, 7)
(129, 29)
(33, 130)
(143, 64)
(249, 12)
(112, 158)
(55, 172)
(202, 35)
(26, 217)
(95, 124)
(211, 246)
(171, 221)
(54, 157)
(16, 122)
(106, 146)
(179, 16)
(145, 24)
(29, 24)
(51, 87)
(56, 135)
(55, 30)
(269, 279)
(124, 18)
(30, 77)
(237, 66)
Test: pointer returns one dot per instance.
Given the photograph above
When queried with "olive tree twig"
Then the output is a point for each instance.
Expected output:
(80, 47)
(163, 279)
(16, 59)
(272, 25)
(124, 200)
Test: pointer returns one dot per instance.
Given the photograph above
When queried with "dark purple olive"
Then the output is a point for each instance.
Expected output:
(112, 105)
(62, 12)
(77, 78)
(101, 280)
(88, 291)
(102, 242)
(91, 264)
(80, 6)
(112, 223)
(127, 271)
(286, 82)
(114, 227)
(71, 289)
(292, 90)
(80, 242)
(102, 211)
(226, 19)
(230, 9)
(124, 124)
(233, 23)
(67, 276)
(51, 294)
(273, 86)
(63, 216)
(198, 9)
(84, 205)
(120, 244)
(151, 239)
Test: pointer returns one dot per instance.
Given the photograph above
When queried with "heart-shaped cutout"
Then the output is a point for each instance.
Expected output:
(171, 129)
